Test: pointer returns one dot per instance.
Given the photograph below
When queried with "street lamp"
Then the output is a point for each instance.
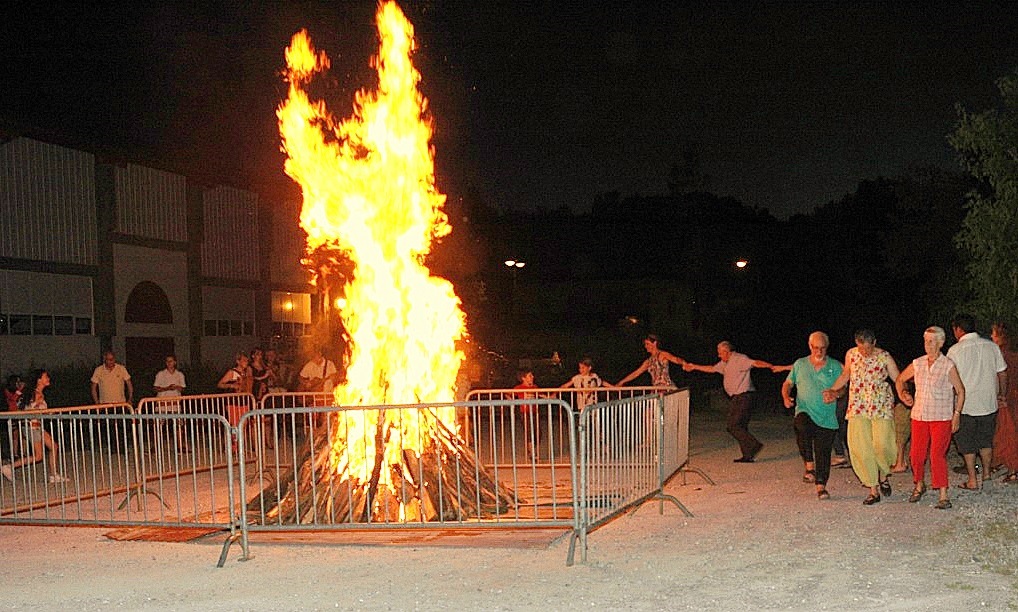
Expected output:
(741, 263)
(514, 266)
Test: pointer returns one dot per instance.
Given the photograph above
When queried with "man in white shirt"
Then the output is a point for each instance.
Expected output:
(983, 372)
(170, 381)
(319, 374)
(109, 381)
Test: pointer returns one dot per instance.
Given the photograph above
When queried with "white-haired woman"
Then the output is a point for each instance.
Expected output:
(936, 413)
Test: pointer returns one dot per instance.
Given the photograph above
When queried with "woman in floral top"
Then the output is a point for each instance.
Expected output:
(870, 412)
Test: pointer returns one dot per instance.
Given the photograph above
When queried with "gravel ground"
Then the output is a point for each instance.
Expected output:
(759, 540)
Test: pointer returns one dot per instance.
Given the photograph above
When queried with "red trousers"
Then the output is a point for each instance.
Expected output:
(930, 438)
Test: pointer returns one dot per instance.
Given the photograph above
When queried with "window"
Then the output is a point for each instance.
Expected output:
(83, 326)
(3, 324)
(42, 325)
(63, 326)
(21, 325)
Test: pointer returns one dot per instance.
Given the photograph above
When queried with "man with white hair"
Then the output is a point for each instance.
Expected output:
(735, 368)
(816, 421)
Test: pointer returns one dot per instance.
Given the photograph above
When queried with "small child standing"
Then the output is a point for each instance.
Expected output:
(529, 412)
(585, 379)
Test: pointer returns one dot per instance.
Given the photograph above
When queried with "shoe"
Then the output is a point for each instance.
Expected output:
(7, 471)
(743, 460)
(1012, 477)
(845, 464)
(917, 494)
(943, 504)
(822, 494)
(839, 462)
(58, 478)
(871, 499)
(885, 488)
(810, 476)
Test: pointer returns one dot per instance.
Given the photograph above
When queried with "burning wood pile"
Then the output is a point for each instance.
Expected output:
(369, 195)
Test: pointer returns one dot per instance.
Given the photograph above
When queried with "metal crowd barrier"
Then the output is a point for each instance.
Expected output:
(432, 476)
(181, 438)
(110, 467)
(526, 461)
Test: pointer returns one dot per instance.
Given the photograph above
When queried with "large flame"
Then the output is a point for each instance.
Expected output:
(369, 190)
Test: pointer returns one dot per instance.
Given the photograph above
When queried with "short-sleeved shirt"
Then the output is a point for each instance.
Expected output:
(164, 378)
(810, 384)
(934, 393)
(869, 393)
(313, 369)
(589, 381)
(978, 361)
(736, 373)
(111, 383)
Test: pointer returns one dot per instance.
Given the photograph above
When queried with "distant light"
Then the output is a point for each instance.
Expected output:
(520, 264)
(288, 305)
(512, 263)
(742, 263)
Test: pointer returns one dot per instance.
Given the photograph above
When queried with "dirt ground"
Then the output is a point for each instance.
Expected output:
(759, 540)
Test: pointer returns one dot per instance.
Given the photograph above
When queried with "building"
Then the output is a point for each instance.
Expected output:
(96, 253)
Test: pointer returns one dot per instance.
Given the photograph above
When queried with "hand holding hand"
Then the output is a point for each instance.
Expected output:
(687, 367)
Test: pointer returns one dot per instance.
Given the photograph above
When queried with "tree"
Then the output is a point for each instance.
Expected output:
(987, 144)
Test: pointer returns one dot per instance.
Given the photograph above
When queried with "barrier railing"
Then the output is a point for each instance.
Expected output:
(629, 448)
(520, 462)
(103, 468)
(183, 439)
(413, 472)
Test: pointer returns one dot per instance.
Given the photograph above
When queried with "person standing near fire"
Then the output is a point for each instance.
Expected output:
(109, 381)
(319, 374)
(735, 369)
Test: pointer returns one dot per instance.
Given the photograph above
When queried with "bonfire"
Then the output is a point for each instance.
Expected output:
(370, 201)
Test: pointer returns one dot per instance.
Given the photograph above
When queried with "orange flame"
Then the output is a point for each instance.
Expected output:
(369, 189)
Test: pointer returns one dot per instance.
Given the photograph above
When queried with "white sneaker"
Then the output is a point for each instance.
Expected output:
(58, 478)
(7, 471)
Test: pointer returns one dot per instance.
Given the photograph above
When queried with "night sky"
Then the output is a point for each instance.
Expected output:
(546, 104)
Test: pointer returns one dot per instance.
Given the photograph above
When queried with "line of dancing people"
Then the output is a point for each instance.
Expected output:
(965, 394)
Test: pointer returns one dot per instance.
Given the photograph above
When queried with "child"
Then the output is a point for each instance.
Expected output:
(529, 412)
(586, 379)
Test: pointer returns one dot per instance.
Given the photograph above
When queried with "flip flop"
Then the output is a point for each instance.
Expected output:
(966, 486)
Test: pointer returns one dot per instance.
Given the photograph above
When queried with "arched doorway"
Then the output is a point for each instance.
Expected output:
(145, 355)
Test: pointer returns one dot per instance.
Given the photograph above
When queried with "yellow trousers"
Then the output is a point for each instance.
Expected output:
(872, 448)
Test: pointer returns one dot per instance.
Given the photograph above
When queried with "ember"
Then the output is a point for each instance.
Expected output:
(370, 200)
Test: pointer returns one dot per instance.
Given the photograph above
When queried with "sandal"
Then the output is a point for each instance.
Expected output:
(822, 494)
(809, 476)
(916, 495)
(871, 499)
(1012, 477)
(943, 504)
(966, 486)
(885, 488)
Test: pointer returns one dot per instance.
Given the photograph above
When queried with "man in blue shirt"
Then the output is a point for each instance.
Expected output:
(815, 421)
